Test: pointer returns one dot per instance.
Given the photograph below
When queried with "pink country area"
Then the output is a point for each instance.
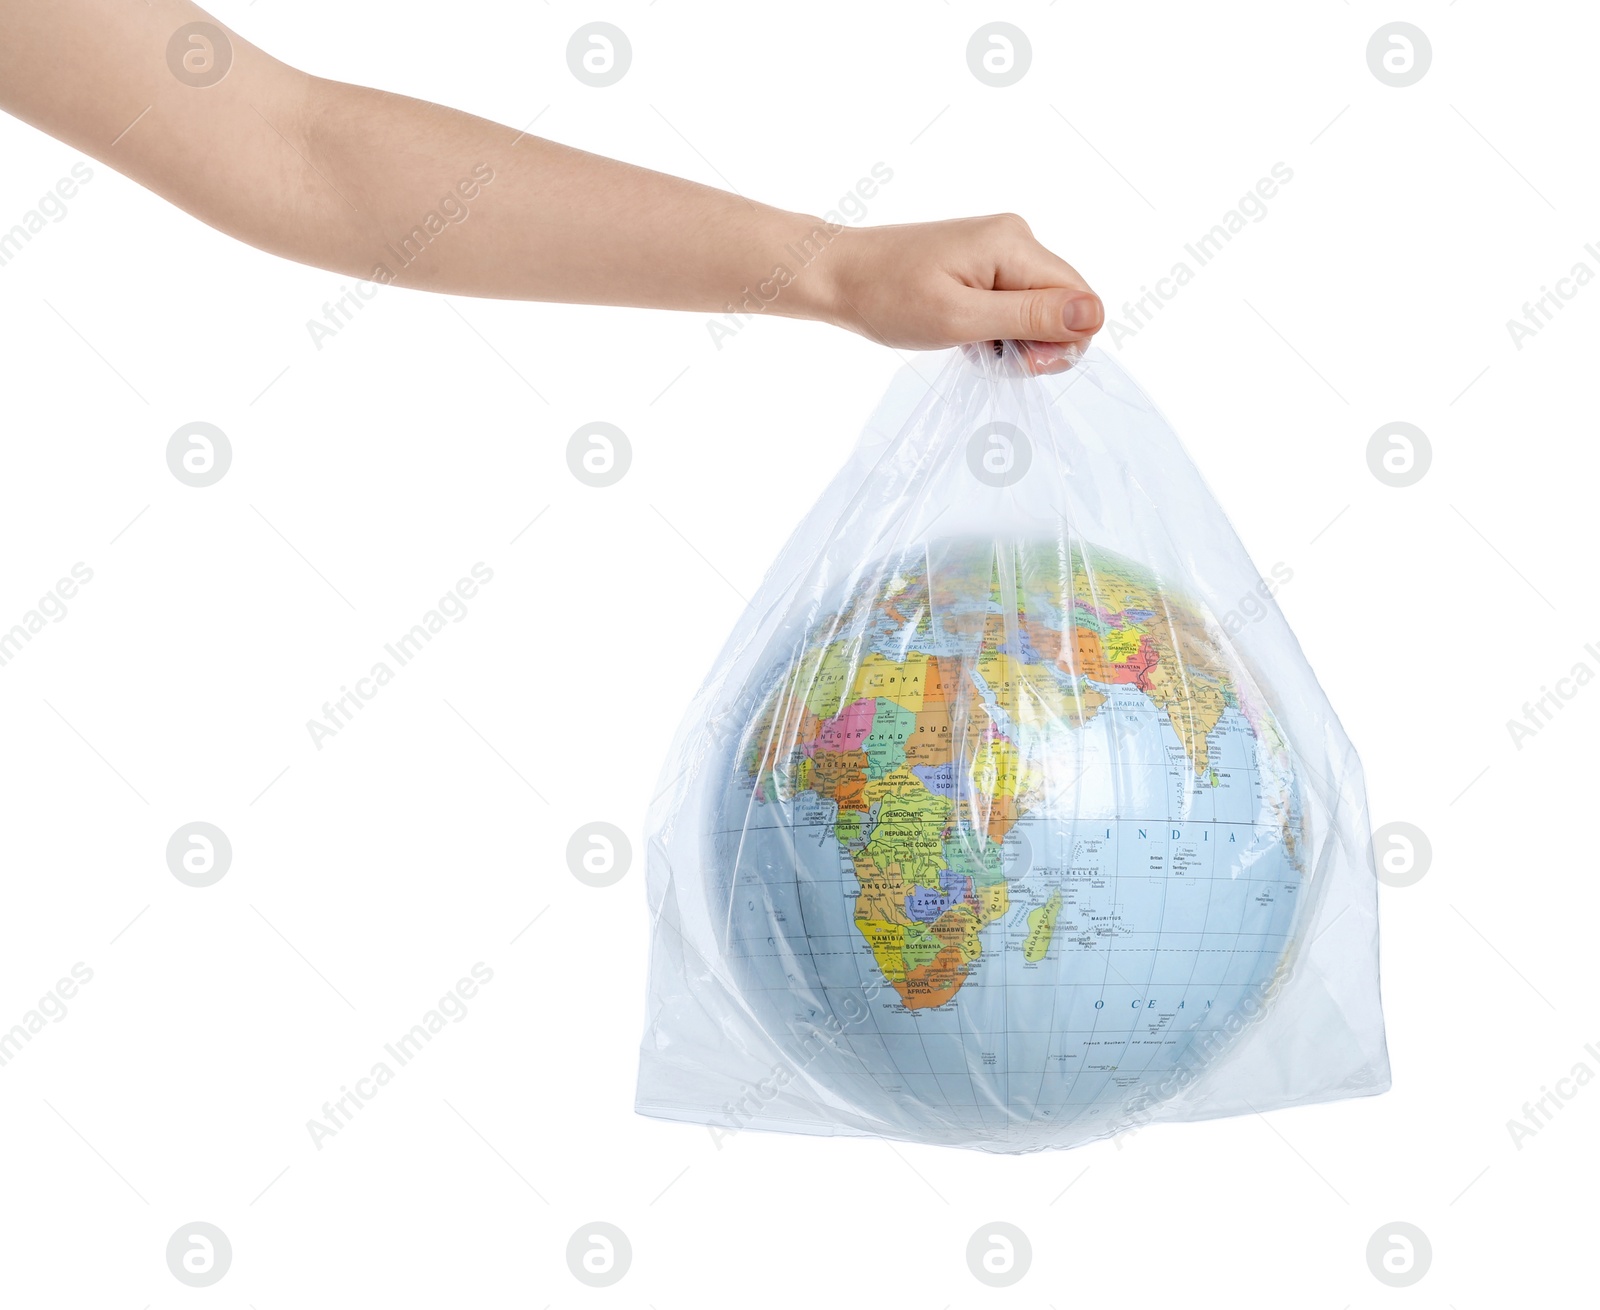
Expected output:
(847, 729)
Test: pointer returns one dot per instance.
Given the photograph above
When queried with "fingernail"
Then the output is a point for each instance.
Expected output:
(1082, 314)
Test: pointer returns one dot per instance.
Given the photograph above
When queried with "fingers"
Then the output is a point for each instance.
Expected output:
(1034, 297)
(1021, 263)
(1042, 357)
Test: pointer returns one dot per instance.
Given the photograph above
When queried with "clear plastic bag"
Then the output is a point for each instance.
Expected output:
(1012, 815)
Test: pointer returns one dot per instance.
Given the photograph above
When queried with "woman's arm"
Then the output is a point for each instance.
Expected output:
(380, 186)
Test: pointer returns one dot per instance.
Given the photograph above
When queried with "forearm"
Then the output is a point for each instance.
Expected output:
(482, 209)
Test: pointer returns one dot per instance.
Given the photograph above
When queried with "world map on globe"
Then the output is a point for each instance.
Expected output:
(1016, 832)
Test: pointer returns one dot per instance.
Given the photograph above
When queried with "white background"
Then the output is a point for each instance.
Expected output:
(429, 834)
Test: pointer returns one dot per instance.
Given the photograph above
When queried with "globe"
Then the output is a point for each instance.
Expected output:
(1011, 843)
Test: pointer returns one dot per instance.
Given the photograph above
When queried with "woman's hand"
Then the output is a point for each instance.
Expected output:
(922, 286)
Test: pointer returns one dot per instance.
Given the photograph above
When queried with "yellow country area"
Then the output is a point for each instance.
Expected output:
(1190, 693)
(996, 768)
(1121, 644)
(908, 835)
(896, 781)
(822, 678)
(1044, 700)
(888, 942)
(883, 891)
(902, 682)
(1192, 720)
(1041, 927)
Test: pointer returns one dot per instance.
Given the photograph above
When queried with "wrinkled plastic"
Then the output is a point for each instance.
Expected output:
(1012, 815)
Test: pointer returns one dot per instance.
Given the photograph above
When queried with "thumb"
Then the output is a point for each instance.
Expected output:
(1038, 314)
